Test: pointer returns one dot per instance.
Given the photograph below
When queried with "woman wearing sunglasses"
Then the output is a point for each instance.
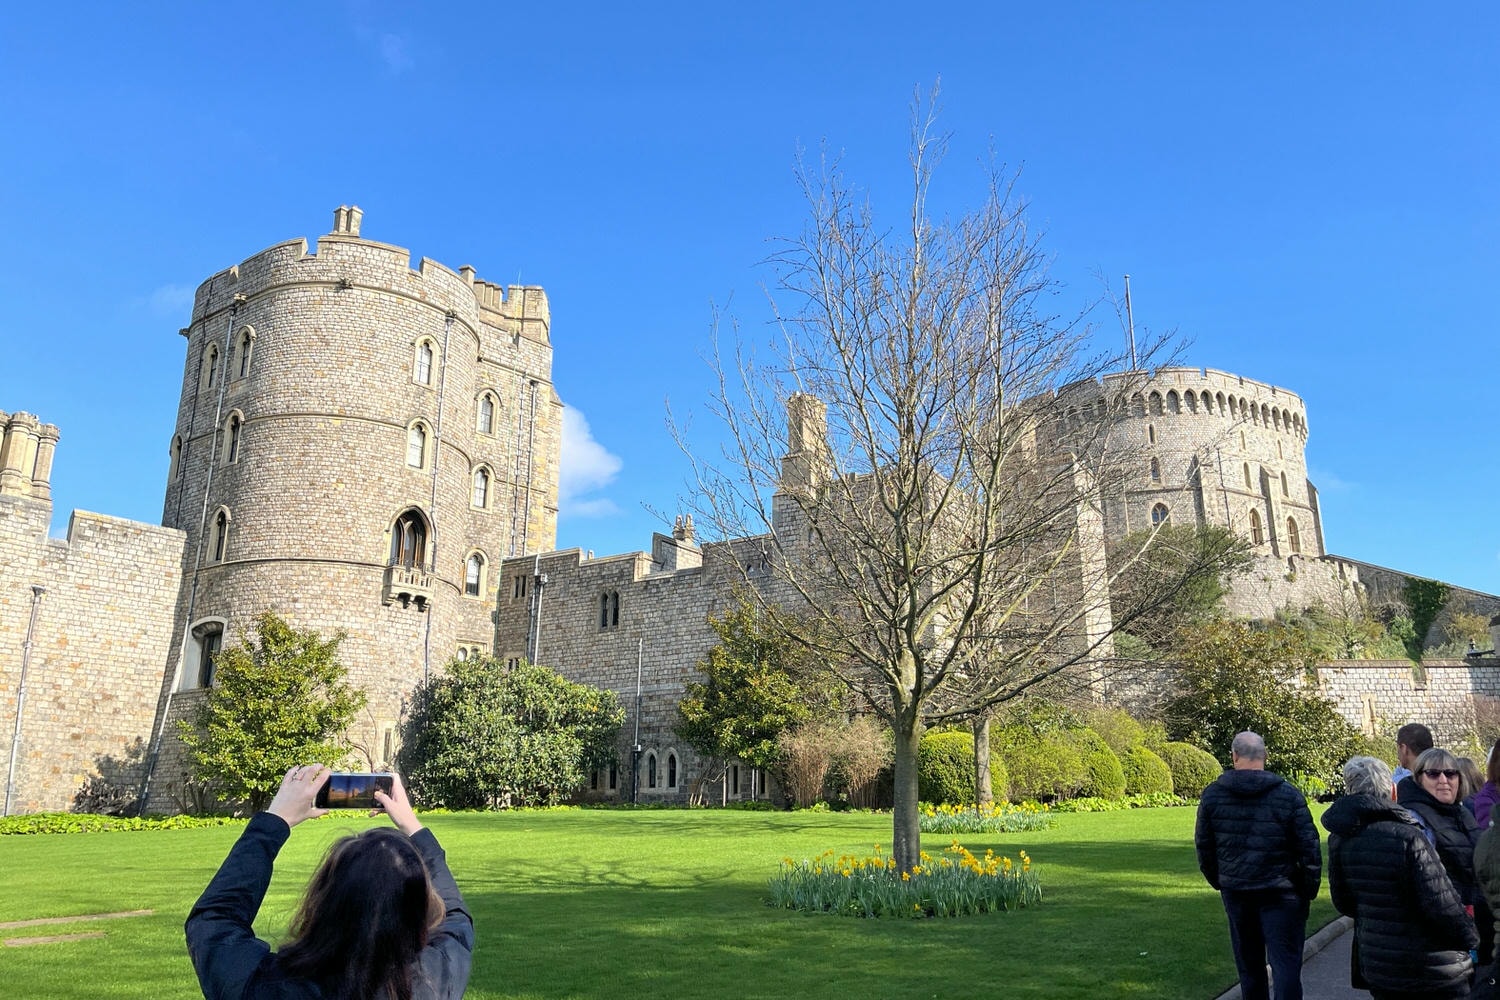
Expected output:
(1435, 797)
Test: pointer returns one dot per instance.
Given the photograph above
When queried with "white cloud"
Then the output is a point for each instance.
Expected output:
(1328, 482)
(585, 467)
(393, 53)
(167, 301)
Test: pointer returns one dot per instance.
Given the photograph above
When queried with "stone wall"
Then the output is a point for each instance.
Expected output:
(103, 628)
(1382, 695)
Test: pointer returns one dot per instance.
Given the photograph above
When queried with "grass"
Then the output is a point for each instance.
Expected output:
(596, 904)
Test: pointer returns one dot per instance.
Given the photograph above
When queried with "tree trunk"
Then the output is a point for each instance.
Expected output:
(984, 794)
(906, 824)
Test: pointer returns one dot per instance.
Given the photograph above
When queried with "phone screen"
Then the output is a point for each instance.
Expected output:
(344, 790)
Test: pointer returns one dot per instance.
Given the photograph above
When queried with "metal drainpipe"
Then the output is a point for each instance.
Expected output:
(530, 473)
(437, 451)
(15, 744)
(192, 606)
(635, 747)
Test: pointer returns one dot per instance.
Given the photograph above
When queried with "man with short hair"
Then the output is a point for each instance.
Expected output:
(1412, 740)
(1257, 845)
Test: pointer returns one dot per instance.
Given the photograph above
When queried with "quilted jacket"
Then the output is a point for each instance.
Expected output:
(1255, 832)
(1411, 933)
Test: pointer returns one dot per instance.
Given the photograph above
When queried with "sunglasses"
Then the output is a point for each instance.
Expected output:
(1434, 774)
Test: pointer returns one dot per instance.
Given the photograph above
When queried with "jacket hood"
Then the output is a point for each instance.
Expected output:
(1352, 813)
(1249, 784)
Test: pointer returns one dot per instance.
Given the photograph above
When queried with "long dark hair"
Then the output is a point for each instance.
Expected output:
(365, 917)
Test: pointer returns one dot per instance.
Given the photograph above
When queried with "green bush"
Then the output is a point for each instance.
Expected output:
(88, 823)
(1104, 773)
(945, 769)
(1193, 769)
(1041, 767)
(1117, 728)
(1145, 772)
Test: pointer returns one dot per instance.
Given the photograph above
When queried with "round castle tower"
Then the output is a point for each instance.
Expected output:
(358, 445)
(1206, 447)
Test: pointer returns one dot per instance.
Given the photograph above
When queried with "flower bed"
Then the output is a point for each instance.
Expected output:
(958, 883)
(1004, 818)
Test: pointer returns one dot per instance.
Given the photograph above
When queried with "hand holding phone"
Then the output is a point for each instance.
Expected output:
(351, 790)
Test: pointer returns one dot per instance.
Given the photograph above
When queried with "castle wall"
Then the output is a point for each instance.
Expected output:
(1208, 447)
(103, 628)
(337, 409)
(1382, 695)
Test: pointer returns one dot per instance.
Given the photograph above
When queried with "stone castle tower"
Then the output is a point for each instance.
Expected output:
(358, 445)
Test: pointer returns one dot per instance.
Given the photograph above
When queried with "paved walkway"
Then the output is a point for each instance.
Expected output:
(1325, 966)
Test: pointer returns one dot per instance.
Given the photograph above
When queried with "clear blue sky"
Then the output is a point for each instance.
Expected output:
(1306, 191)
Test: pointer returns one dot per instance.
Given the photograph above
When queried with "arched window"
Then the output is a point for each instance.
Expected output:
(1284, 491)
(409, 540)
(416, 445)
(1151, 433)
(481, 493)
(614, 775)
(1156, 408)
(1173, 405)
(1219, 399)
(1257, 533)
(651, 770)
(474, 575)
(203, 650)
(241, 356)
(210, 365)
(485, 423)
(221, 534)
(1293, 539)
(1276, 419)
(174, 468)
(609, 609)
(421, 371)
(1191, 400)
(1155, 471)
(1247, 477)
(671, 770)
(1160, 515)
(1137, 405)
(232, 428)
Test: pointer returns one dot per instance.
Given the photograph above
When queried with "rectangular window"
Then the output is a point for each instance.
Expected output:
(519, 590)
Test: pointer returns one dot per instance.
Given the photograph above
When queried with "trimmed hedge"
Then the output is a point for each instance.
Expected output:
(1117, 728)
(1042, 767)
(1193, 769)
(1105, 774)
(945, 769)
(1145, 772)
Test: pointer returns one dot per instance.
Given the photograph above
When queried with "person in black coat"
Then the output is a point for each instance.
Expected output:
(382, 916)
(1434, 794)
(1258, 846)
(1411, 933)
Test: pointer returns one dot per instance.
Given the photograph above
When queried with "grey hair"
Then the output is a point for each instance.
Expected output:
(1249, 746)
(1367, 776)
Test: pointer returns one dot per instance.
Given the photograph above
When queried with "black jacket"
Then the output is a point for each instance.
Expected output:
(232, 963)
(1410, 929)
(1456, 831)
(1255, 832)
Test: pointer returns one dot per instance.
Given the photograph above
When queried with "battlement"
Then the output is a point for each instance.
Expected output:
(1176, 390)
(343, 260)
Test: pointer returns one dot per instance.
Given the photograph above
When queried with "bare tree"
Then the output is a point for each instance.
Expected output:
(934, 513)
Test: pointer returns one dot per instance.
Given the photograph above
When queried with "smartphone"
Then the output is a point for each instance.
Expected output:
(344, 790)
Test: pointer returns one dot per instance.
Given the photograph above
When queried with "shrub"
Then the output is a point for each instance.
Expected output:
(806, 751)
(1155, 800)
(1117, 728)
(956, 884)
(1105, 775)
(86, 823)
(1041, 767)
(1145, 772)
(1193, 769)
(945, 768)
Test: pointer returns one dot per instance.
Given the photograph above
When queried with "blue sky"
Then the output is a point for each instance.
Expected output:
(1305, 191)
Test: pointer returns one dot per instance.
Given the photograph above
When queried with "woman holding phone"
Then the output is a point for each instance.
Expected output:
(381, 918)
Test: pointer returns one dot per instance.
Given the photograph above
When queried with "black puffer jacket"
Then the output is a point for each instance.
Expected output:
(1456, 832)
(1410, 929)
(1254, 832)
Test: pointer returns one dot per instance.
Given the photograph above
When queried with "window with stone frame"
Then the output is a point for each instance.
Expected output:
(480, 495)
(651, 770)
(485, 421)
(474, 575)
(221, 535)
(1160, 515)
(416, 445)
(421, 372)
(519, 586)
(240, 356)
(609, 610)
(233, 431)
(409, 540)
(1257, 532)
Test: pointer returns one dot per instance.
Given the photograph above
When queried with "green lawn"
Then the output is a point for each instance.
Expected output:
(667, 904)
